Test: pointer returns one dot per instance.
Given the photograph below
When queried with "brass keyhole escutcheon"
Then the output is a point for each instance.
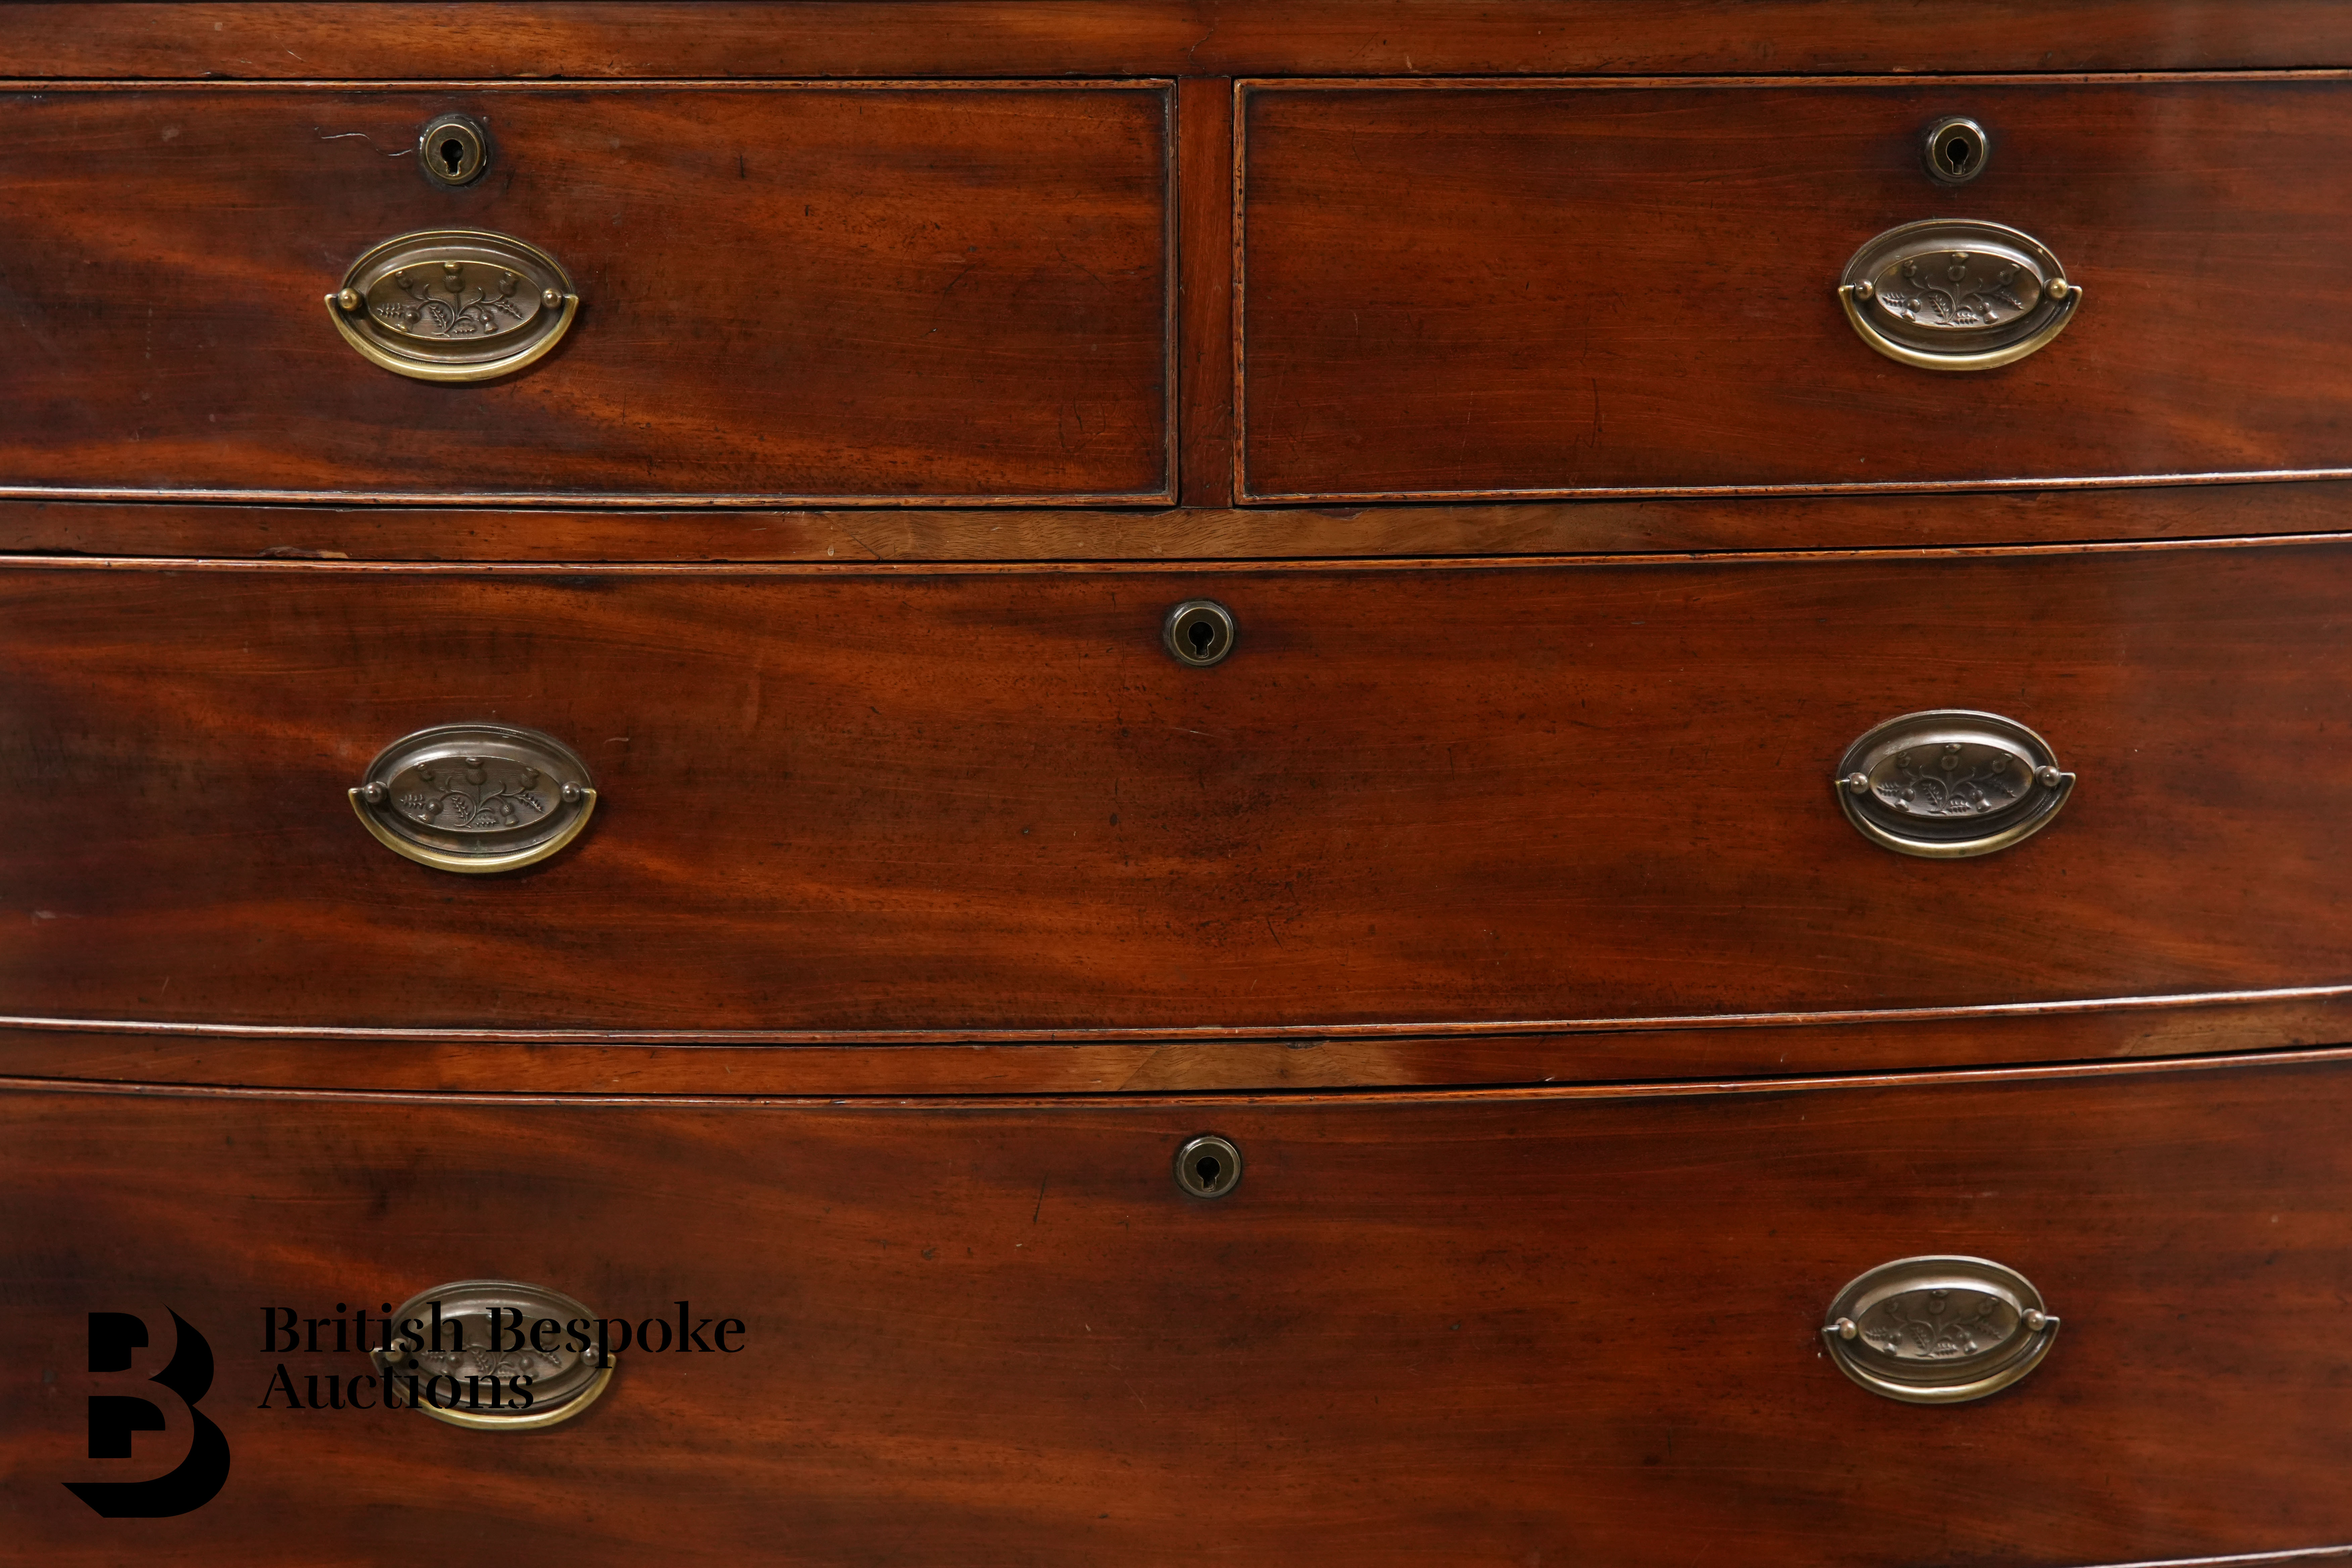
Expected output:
(1208, 1166)
(1958, 149)
(1200, 632)
(454, 150)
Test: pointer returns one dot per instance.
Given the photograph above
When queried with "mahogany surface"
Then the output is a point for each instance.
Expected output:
(985, 800)
(689, 1061)
(1705, 523)
(923, 291)
(1477, 288)
(1494, 896)
(1161, 37)
(1485, 1328)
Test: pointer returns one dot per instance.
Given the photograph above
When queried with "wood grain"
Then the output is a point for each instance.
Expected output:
(1161, 37)
(984, 800)
(1205, 244)
(524, 1060)
(1191, 533)
(930, 293)
(1460, 1329)
(1480, 289)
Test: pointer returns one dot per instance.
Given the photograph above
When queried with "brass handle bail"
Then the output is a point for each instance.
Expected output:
(1950, 783)
(455, 305)
(1957, 294)
(475, 797)
(493, 1355)
(1939, 1330)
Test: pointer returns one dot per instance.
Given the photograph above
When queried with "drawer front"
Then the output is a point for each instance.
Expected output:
(991, 801)
(849, 291)
(1461, 288)
(1474, 1328)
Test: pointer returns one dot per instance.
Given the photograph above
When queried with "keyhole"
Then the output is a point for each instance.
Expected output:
(1198, 632)
(1208, 1166)
(1955, 151)
(451, 150)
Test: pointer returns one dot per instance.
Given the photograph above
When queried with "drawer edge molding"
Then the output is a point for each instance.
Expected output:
(1440, 1029)
(2242, 1031)
(1204, 538)
(1212, 1099)
(2250, 1559)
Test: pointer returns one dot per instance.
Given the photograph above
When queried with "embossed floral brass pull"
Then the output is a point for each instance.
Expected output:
(1939, 1330)
(493, 1354)
(476, 798)
(1949, 783)
(1957, 294)
(454, 304)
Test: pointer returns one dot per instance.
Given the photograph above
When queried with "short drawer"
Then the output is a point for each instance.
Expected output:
(850, 291)
(883, 802)
(1459, 288)
(1451, 1329)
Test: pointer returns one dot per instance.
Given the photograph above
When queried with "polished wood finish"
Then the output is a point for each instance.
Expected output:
(1466, 290)
(1161, 37)
(1501, 1327)
(677, 1062)
(910, 535)
(984, 800)
(1204, 112)
(1493, 896)
(921, 291)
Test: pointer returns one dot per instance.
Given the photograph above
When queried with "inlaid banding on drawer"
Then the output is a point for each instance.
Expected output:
(1478, 1328)
(852, 292)
(989, 800)
(1486, 289)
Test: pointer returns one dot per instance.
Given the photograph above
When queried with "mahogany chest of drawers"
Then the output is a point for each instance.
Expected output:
(1127, 782)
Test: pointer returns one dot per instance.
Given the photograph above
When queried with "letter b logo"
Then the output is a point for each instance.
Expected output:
(113, 1417)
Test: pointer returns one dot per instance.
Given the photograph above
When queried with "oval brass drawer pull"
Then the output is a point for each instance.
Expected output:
(1957, 294)
(494, 1354)
(1939, 1330)
(454, 304)
(1949, 784)
(476, 798)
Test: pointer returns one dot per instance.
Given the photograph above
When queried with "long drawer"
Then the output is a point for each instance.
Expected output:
(989, 800)
(1455, 289)
(858, 291)
(1485, 1328)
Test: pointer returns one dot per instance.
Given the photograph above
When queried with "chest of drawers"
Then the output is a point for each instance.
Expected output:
(1123, 783)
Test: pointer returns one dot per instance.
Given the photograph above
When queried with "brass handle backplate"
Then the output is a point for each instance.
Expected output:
(1957, 294)
(1939, 1330)
(476, 798)
(1950, 783)
(493, 1354)
(454, 304)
